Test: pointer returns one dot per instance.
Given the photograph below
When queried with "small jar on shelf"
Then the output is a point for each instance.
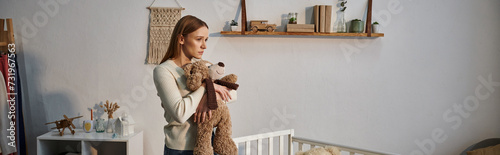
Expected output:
(292, 18)
(99, 128)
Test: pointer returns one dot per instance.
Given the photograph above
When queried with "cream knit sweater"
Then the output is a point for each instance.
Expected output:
(179, 105)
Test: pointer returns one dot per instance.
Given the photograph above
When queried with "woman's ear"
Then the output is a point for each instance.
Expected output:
(181, 39)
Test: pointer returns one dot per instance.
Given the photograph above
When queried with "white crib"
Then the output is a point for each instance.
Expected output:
(301, 143)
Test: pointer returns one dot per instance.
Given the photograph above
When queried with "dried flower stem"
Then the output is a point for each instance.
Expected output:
(110, 108)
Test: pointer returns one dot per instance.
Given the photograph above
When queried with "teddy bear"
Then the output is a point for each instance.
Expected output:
(328, 150)
(203, 71)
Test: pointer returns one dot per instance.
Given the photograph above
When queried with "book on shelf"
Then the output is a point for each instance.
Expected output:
(316, 18)
(328, 18)
(322, 18)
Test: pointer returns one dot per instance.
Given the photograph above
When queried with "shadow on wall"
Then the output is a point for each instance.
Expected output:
(39, 106)
(31, 108)
(147, 36)
(227, 26)
(56, 105)
(284, 22)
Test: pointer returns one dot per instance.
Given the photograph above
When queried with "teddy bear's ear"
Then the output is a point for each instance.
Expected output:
(187, 69)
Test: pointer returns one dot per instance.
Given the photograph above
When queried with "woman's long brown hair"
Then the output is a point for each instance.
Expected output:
(184, 26)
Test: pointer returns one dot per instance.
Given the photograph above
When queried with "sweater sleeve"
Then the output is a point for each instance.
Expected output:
(234, 96)
(178, 107)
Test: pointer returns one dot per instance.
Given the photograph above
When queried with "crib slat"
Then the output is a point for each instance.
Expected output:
(313, 146)
(351, 153)
(281, 146)
(247, 148)
(300, 146)
(290, 144)
(271, 142)
(259, 147)
(260, 137)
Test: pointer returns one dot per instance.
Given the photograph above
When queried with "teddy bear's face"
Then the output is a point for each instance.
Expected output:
(217, 70)
(195, 73)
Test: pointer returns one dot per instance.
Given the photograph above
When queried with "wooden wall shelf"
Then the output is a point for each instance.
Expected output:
(243, 31)
(302, 34)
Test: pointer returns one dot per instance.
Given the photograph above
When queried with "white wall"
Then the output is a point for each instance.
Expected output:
(391, 94)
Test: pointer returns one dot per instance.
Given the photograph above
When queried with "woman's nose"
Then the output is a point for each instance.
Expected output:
(204, 45)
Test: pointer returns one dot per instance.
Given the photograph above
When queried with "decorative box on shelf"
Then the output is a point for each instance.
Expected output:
(124, 125)
(300, 28)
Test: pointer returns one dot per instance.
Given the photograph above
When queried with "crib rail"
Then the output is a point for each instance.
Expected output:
(351, 150)
(301, 142)
(269, 137)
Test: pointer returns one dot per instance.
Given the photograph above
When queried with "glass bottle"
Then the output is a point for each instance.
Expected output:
(110, 127)
(340, 24)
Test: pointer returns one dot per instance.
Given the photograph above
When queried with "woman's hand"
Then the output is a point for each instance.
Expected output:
(223, 91)
(202, 111)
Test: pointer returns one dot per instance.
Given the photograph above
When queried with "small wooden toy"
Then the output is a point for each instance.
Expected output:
(64, 123)
(110, 108)
(261, 25)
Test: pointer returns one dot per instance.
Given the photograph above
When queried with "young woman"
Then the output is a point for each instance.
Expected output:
(188, 41)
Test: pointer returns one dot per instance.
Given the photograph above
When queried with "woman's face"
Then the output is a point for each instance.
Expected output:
(194, 44)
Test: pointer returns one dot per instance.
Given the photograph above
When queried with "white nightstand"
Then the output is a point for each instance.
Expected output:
(86, 143)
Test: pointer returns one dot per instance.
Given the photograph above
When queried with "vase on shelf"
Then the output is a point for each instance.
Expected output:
(375, 28)
(357, 26)
(99, 127)
(340, 24)
(110, 127)
(234, 27)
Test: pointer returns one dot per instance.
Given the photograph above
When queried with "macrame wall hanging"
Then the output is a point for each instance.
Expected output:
(161, 24)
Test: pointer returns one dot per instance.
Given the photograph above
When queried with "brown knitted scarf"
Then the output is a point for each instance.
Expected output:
(211, 96)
